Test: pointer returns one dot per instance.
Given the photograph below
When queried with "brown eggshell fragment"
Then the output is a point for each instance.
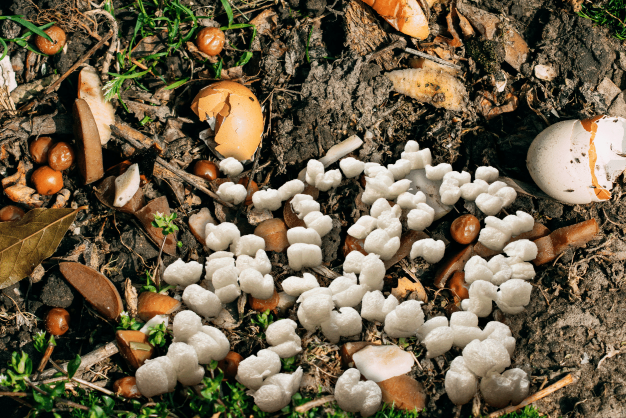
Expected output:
(88, 147)
(465, 229)
(403, 392)
(146, 216)
(560, 240)
(262, 305)
(406, 16)
(230, 364)
(39, 149)
(456, 284)
(198, 222)
(11, 213)
(127, 387)
(57, 321)
(90, 90)
(105, 192)
(47, 181)
(452, 263)
(406, 242)
(239, 119)
(348, 349)
(353, 244)
(407, 287)
(60, 156)
(99, 291)
(150, 304)
(274, 233)
(134, 354)
(538, 231)
(51, 47)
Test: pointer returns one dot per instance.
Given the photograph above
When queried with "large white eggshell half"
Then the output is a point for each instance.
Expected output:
(574, 164)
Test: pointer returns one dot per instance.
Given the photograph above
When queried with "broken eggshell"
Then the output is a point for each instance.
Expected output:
(236, 114)
(406, 16)
(577, 161)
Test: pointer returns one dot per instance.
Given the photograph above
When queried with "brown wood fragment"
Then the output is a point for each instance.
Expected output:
(365, 35)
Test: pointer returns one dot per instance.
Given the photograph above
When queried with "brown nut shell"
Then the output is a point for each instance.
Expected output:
(99, 291)
(134, 347)
(39, 149)
(465, 229)
(451, 264)
(206, 169)
(253, 189)
(88, 147)
(403, 392)
(456, 284)
(151, 304)
(58, 40)
(57, 321)
(210, 41)
(11, 213)
(230, 364)
(127, 387)
(274, 233)
(60, 156)
(47, 181)
(262, 305)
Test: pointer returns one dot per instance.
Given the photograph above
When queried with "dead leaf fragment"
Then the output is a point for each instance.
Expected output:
(24, 244)
(99, 291)
(430, 86)
(406, 287)
(146, 216)
(23, 194)
(489, 106)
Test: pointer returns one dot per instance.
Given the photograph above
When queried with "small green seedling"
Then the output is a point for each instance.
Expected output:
(126, 322)
(157, 335)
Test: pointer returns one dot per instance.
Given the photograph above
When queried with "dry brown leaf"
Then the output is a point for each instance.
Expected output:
(26, 243)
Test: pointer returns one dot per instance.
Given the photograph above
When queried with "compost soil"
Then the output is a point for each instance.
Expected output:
(319, 90)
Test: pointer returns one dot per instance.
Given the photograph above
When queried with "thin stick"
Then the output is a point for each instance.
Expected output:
(81, 381)
(96, 356)
(84, 58)
(430, 57)
(14, 394)
(127, 133)
(567, 380)
(314, 403)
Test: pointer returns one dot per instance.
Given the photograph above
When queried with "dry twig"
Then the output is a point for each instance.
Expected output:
(567, 380)
(314, 403)
(110, 52)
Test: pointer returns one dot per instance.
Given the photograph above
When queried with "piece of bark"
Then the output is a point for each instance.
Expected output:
(365, 35)
(96, 356)
(572, 236)
(22, 128)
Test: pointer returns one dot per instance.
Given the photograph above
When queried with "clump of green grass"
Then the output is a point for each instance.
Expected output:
(611, 14)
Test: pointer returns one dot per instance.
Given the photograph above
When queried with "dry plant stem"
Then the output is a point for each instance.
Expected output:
(101, 353)
(315, 403)
(44, 360)
(430, 57)
(111, 51)
(84, 58)
(20, 394)
(567, 380)
(129, 135)
(82, 382)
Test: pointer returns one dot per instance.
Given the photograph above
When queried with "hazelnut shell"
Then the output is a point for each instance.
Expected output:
(57, 321)
(58, 40)
(11, 213)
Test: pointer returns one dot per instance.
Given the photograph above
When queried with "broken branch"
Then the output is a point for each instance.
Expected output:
(434, 59)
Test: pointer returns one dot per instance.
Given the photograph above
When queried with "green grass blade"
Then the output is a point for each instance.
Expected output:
(5, 49)
(30, 27)
(229, 11)
(176, 84)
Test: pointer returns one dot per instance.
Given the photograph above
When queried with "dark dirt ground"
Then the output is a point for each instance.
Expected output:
(576, 319)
